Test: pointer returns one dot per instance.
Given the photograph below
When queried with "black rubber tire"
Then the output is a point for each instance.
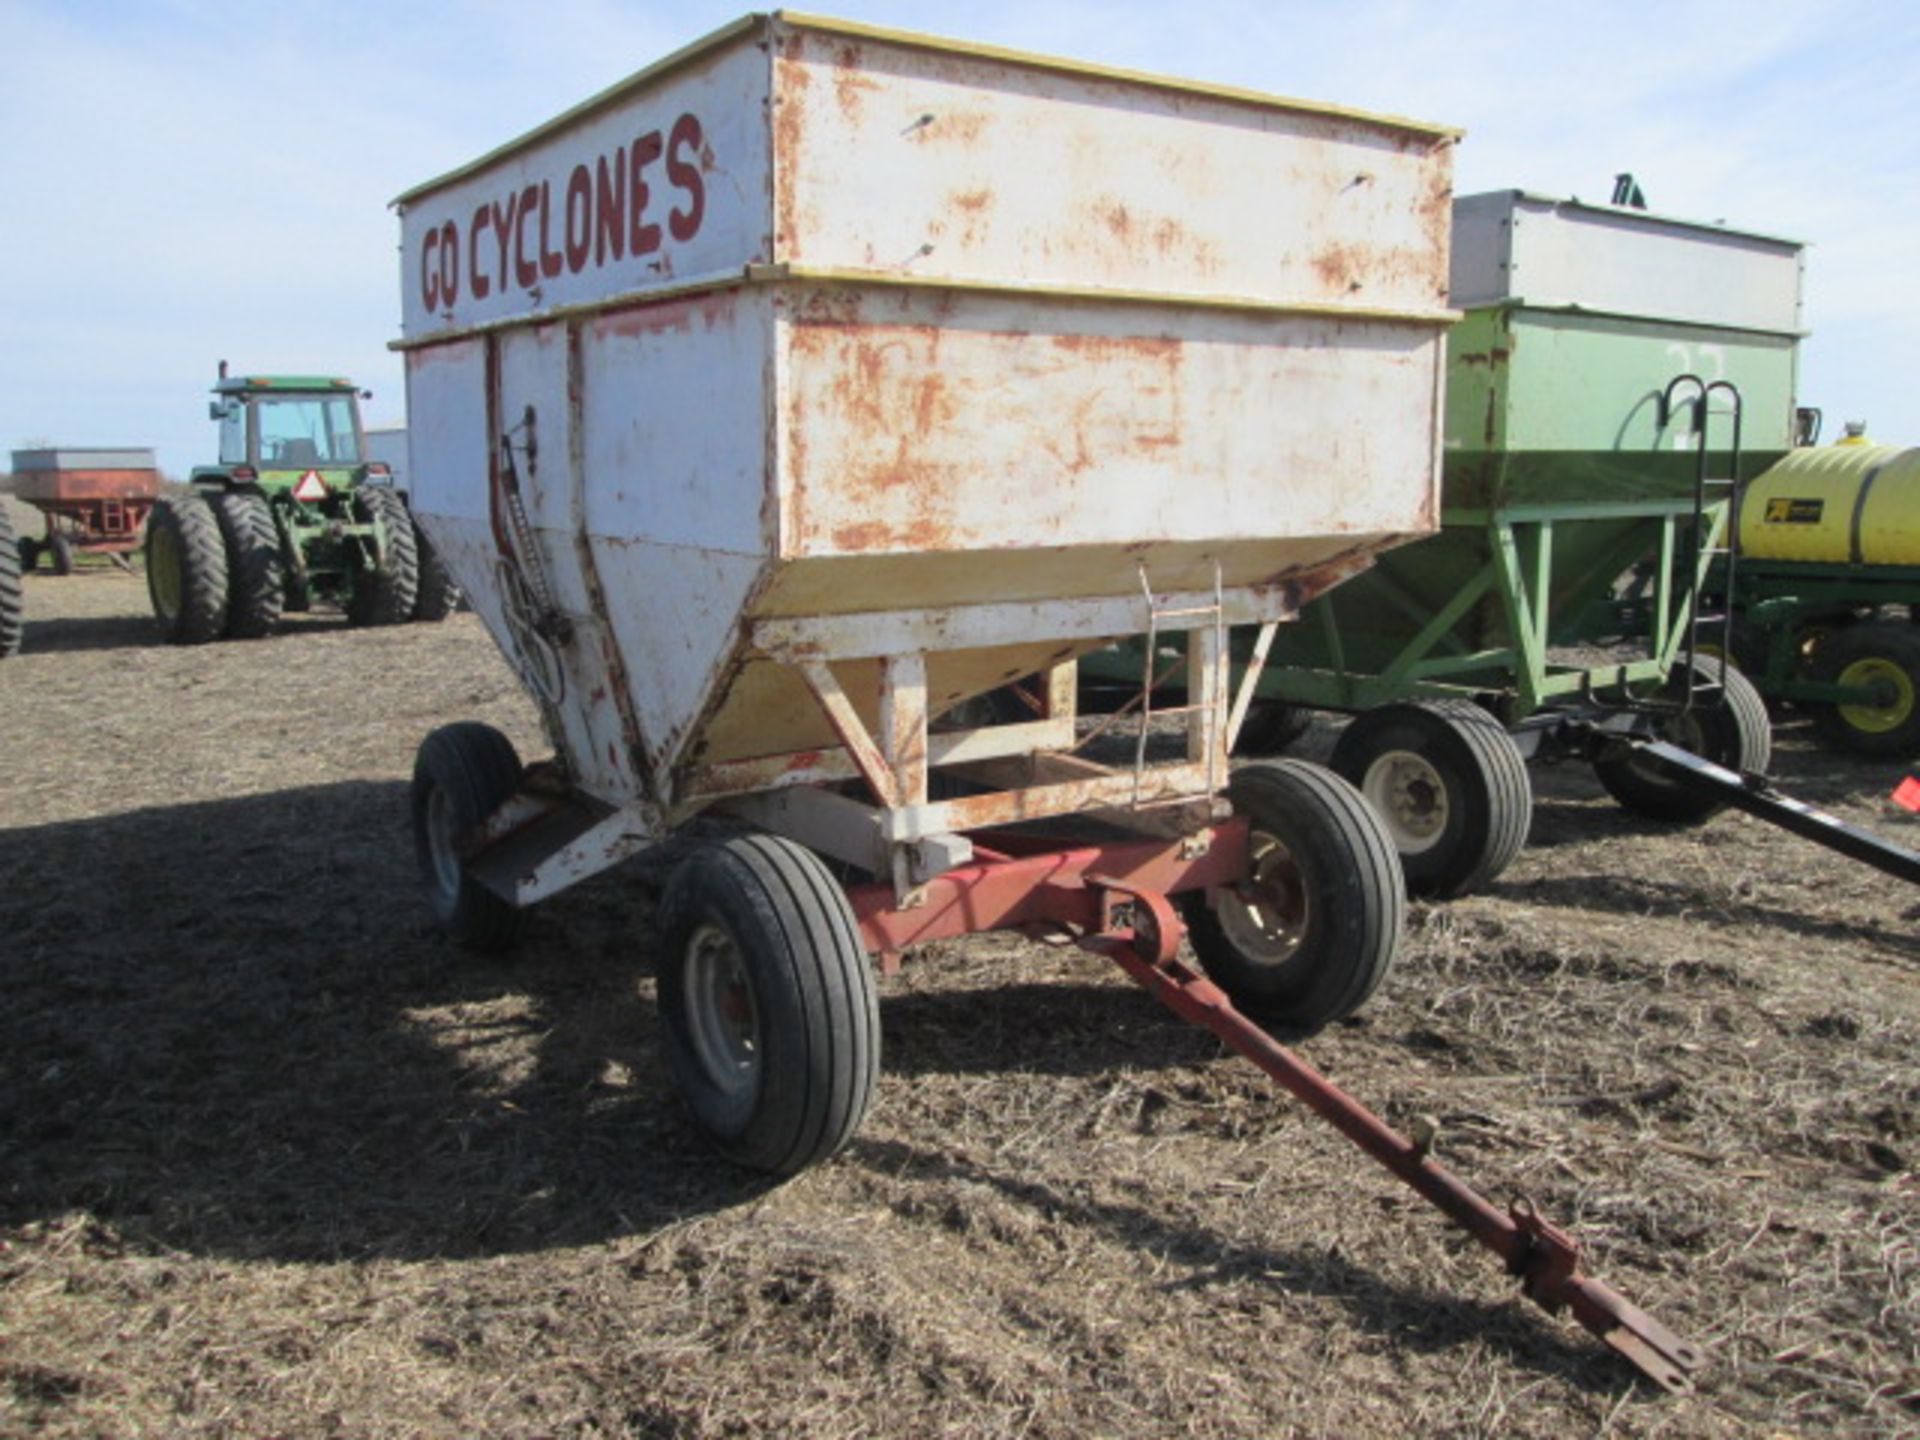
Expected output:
(1736, 734)
(186, 569)
(1886, 650)
(1451, 786)
(462, 774)
(59, 551)
(13, 609)
(29, 552)
(1322, 854)
(437, 594)
(256, 574)
(768, 1013)
(385, 594)
(1270, 727)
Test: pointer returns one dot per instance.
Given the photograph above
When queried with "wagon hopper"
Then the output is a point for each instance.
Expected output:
(95, 500)
(773, 403)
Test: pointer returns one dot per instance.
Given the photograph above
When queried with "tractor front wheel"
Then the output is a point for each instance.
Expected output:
(767, 1005)
(1729, 728)
(1884, 656)
(1450, 784)
(1315, 927)
(187, 569)
(384, 593)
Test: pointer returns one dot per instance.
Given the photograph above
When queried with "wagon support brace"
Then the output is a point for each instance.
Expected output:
(1545, 1258)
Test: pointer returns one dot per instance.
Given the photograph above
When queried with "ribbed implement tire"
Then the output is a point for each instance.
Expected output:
(462, 773)
(1451, 785)
(437, 595)
(768, 1013)
(256, 578)
(1325, 867)
(1736, 734)
(187, 569)
(13, 609)
(385, 595)
(1885, 651)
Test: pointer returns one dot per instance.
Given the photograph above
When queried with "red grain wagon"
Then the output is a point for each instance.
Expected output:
(95, 500)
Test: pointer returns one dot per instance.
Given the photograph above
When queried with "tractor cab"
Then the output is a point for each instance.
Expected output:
(281, 428)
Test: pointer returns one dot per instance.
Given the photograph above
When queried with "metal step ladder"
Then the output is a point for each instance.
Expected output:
(1196, 617)
(1705, 629)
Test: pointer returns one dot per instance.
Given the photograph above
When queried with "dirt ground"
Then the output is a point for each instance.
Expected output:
(277, 1161)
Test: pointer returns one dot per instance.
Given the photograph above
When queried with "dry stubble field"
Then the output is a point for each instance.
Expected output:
(275, 1160)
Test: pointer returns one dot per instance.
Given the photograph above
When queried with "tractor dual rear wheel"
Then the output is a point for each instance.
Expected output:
(257, 586)
(438, 594)
(12, 601)
(1451, 786)
(1726, 724)
(385, 594)
(768, 1014)
(1316, 926)
(187, 569)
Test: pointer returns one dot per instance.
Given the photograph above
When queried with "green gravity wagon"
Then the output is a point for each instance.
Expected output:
(1614, 375)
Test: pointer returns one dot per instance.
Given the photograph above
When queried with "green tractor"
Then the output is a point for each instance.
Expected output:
(294, 513)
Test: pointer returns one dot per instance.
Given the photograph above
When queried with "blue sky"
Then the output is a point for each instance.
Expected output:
(189, 181)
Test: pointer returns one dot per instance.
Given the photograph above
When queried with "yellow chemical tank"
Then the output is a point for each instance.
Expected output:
(1841, 505)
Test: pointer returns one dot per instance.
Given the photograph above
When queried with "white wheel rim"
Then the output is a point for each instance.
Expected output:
(1266, 919)
(1407, 792)
(723, 1023)
(441, 829)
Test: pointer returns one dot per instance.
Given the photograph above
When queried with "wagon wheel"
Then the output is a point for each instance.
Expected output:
(1316, 927)
(187, 569)
(1450, 784)
(384, 594)
(767, 1007)
(1735, 734)
(1883, 654)
(437, 595)
(29, 549)
(258, 589)
(1270, 727)
(12, 600)
(60, 548)
(461, 775)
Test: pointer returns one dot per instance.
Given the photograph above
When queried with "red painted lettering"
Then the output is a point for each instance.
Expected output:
(579, 218)
(611, 232)
(686, 224)
(503, 233)
(449, 263)
(481, 218)
(552, 262)
(526, 266)
(644, 238)
(429, 273)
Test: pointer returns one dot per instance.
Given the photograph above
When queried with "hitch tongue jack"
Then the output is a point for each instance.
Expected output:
(1545, 1258)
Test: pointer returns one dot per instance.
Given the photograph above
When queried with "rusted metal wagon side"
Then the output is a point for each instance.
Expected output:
(777, 402)
(96, 501)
